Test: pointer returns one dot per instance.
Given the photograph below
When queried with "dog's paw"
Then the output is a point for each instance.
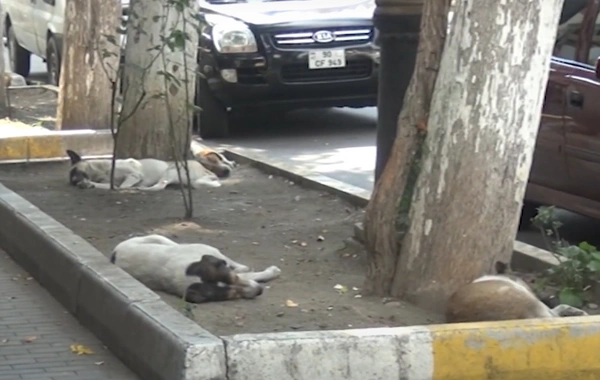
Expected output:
(85, 185)
(274, 271)
(568, 311)
(242, 269)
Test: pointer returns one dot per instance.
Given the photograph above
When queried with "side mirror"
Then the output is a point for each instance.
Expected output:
(598, 67)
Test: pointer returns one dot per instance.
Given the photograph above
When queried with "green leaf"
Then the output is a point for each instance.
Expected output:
(570, 251)
(584, 245)
(595, 255)
(594, 266)
(570, 296)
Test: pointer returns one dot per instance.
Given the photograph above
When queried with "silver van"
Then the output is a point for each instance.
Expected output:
(36, 27)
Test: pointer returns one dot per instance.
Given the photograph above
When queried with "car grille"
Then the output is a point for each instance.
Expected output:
(304, 38)
(300, 73)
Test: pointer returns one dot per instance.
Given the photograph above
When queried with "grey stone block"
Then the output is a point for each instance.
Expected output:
(203, 354)
(103, 305)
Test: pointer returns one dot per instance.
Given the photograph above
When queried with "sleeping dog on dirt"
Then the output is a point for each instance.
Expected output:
(501, 297)
(199, 272)
(211, 159)
(147, 174)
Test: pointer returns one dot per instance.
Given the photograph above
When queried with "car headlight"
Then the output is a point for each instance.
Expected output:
(233, 37)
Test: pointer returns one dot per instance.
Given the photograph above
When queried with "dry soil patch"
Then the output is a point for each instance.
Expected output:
(253, 218)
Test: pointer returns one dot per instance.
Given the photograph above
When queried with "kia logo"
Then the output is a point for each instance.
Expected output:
(323, 36)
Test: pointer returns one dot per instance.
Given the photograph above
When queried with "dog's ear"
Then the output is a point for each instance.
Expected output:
(75, 158)
(501, 268)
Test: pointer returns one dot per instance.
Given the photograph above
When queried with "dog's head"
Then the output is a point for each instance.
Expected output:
(211, 270)
(78, 172)
(216, 162)
(212, 160)
(219, 282)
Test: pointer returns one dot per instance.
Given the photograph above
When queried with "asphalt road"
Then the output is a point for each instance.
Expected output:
(340, 143)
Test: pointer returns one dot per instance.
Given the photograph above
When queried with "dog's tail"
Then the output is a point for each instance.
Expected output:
(113, 257)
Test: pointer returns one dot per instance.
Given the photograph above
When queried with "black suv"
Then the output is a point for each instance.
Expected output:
(278, 55)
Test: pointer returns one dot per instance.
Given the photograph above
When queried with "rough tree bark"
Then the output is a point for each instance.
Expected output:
(84, 98)
(147, 133)
(383, 215)
(477, 152)
(3, 98)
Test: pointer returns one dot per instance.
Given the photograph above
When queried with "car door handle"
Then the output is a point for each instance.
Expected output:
(576, 99)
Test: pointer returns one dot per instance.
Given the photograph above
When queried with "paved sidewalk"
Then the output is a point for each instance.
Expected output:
(36, 334)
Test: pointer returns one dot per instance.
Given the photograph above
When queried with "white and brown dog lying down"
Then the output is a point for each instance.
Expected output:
(501, 297)
(150, 174)
(198, 271)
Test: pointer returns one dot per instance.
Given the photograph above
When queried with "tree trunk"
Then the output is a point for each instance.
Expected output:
(386, 215)
(437, 218)
(161, 126)
(84, 98)
(482, 129)
(3, 98)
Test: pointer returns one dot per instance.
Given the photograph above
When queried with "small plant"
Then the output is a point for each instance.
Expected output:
(177, 21)
(579, 265)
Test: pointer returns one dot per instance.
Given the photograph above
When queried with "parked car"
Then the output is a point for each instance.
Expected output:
(36, 27)
(277, 55)
(566, 165)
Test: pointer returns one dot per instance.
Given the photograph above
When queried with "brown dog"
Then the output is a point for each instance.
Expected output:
(500, 297)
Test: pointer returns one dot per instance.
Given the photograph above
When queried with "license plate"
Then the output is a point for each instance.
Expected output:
(326, 59)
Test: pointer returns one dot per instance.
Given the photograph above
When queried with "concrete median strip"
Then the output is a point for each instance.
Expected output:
(151, 337)
(35, 144)
(159, 343)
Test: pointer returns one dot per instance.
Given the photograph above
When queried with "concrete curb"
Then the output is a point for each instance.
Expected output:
(354, 195)
(48, 145)
(530, 349)
(152, 338)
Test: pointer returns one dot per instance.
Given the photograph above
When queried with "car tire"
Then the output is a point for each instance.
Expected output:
(53, 61)
(528, 212)
(213, 118)
(20, 58)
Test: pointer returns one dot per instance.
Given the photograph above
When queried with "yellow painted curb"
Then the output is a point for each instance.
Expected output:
(53, 145)
(565, 348)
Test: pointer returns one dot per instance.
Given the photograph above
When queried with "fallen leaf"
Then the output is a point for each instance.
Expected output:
(80, 349)
(320, 238)
(341, 288)
(290, 303)
(30, 339)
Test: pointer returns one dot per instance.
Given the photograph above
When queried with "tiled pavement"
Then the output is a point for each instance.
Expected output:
(36, 334)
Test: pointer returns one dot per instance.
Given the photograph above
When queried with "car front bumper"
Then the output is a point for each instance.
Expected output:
(284, 78)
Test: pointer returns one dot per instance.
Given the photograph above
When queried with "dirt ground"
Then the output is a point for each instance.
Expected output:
(256, 219)
(33, 107)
